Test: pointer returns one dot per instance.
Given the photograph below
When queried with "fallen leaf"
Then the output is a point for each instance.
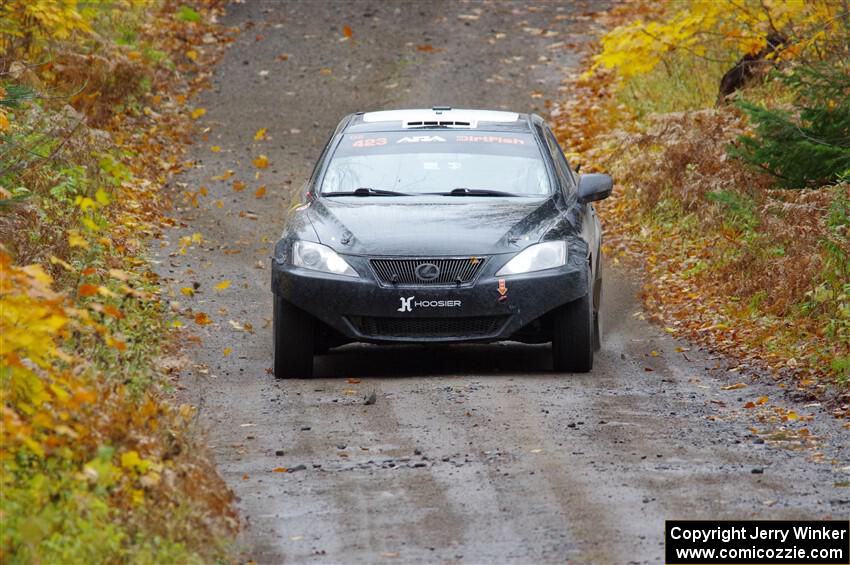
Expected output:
(261, 162)
(222, 285)
(76, 240)
(279, 470)
(227, 351)
(187, 291)
(261, 134)
(202, 319)
(215, 149)
(260, 192)
(346, 31)
(226, 175)
(239, 186)
(119, 274)
(87, 290)
(352, 381)
(110, 310)
(735, 386)
(198, 112)
(54, 260)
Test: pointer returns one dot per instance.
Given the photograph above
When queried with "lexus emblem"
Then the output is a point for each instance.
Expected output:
(427, 271)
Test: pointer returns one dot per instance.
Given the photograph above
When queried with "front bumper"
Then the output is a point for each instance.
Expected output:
(362, 309)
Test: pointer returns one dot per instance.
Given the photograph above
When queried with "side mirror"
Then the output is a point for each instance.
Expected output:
(593, 187)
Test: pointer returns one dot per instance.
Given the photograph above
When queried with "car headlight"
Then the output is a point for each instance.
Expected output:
(546, 255)
(318, 257)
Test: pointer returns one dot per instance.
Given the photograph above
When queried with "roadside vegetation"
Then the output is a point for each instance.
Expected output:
(726, 125)
(98, 465)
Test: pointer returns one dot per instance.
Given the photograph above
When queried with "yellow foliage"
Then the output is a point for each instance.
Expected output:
(28, 24)
(31, 314)
(716, 29)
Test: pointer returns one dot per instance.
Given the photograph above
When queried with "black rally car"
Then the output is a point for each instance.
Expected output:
(440, 225)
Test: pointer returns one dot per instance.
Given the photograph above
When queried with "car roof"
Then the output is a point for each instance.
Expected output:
(438, 117)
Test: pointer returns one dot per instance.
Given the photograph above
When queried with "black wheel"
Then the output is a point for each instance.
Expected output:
(293, 341)
(597, 316)
(572, 335)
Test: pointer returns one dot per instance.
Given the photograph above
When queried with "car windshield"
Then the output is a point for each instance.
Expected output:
(417, 162)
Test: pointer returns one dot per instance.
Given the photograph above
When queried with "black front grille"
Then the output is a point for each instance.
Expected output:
(406, 272)
(429, 327)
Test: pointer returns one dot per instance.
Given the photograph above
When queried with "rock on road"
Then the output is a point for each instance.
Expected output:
(469, 453)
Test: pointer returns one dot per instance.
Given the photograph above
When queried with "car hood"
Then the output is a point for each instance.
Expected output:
(421, 226)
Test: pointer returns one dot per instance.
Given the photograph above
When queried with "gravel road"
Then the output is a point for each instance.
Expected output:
(470, 454)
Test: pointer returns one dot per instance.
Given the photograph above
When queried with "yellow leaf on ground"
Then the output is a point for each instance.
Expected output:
(261, 134)
(188, 291)
(57, 261)
(260, 192)
(222, 285)
(76, 240)
(261, 162)
(130, 459)
(215, 148)
(227, 351)
(198, 112)
(101, 197)
(226, 175)
(238, 186)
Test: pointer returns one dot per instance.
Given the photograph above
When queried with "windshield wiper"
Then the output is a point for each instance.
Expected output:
(366, 192)
(475, 192)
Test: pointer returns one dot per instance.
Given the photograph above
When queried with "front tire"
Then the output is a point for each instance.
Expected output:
(573, 335)
(294, 331)
(597, 317)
